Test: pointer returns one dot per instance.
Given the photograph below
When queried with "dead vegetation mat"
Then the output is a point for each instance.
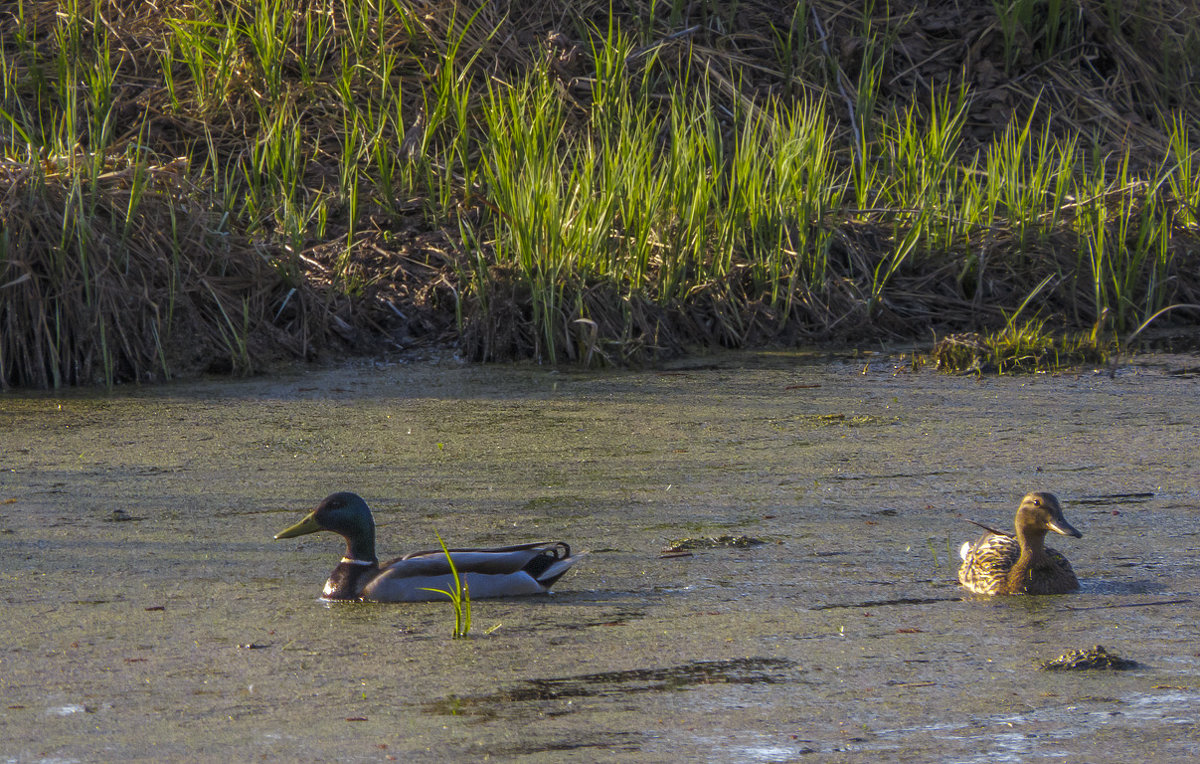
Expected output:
(109, 296)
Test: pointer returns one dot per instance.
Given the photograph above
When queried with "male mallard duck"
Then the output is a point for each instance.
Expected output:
(504, 572)
(1002, 564)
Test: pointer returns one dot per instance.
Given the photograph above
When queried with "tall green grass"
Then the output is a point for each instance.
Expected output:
(661, 202)
(654, 200)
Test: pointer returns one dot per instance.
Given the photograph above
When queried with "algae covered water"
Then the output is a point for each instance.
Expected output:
(806, 608)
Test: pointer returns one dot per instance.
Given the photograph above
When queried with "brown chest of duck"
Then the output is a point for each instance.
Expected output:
(492, 572)
(1000, 563)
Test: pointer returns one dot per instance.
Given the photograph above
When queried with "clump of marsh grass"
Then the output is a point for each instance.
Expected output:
(1019, 349)
(950, 564)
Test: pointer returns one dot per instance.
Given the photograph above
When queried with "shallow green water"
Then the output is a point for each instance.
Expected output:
(178, 629)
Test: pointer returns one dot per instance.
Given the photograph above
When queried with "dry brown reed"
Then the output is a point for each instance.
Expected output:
(127, 273)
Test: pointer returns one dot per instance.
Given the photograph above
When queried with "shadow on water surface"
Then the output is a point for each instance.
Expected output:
(1103, 586)
(764, 671)
(882, 603)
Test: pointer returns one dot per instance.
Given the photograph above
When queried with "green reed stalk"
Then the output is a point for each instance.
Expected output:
(207, 48)
(1183, 174)
(523, 175)
(1028, 177)
(811, 189)
(924, 166)
(1092, 225)
(460, 596)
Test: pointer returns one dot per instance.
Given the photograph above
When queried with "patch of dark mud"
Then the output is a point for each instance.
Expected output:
(1091, 659)
(610, 684)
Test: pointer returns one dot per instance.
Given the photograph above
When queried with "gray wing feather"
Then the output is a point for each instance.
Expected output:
(485, 561)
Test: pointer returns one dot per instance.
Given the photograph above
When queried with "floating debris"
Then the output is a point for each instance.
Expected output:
(1092, 658)
(1018, 348)
(712, 542)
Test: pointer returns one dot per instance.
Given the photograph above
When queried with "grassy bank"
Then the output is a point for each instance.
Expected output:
(213, 185)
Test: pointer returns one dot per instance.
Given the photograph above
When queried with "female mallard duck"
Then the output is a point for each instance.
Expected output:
(503, 572)
(1002, 564)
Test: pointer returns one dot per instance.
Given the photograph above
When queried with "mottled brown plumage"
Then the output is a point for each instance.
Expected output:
(998, 563)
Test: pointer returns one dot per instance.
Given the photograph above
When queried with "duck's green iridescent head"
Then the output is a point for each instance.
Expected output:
(1041, 512)
(345, 514)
